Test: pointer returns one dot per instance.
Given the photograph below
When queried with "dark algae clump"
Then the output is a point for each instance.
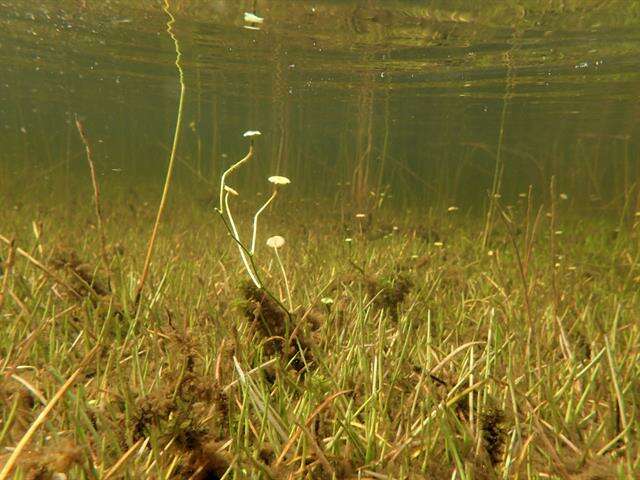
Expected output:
(494, 433)
(270, 321)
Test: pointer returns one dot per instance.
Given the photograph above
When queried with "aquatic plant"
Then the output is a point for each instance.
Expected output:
(276, 180)
(172, 157)
(252, 18)
(277, 242)
(437, 381)
(252, 21)
(224, 210)
(96, 196)
(247, 252)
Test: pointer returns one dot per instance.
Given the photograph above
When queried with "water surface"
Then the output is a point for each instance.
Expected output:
(424, 101)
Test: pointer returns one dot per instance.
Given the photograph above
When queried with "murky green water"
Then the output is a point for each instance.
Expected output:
(422, 100)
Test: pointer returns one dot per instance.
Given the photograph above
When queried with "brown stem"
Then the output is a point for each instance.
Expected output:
(41, 266)
(96, 198)
(8, 264)
(533, 336)
(42, 417)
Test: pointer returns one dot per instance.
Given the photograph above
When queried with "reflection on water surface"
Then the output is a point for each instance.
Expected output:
(422, 101)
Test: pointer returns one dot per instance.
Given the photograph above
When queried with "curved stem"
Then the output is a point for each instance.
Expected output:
(176, 136)
(229, 170)
(236, 237)
(255, 270)
(96, 199)
(255, 221)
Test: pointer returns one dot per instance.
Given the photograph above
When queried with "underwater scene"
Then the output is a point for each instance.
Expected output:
(332, 239)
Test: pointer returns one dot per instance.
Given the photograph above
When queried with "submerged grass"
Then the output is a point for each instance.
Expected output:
(409, 357)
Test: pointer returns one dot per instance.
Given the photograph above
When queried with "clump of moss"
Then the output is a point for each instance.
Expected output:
(189, 409)
(80, 275)
(600, 469)
(389, 293)
(494, 434)
(51, 461)
(263, 312)
(151, 410)
(206, 461)
(270, 321)
(12, 393)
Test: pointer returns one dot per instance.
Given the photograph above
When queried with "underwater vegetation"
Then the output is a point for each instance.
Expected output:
(388, 356)
(267, 337)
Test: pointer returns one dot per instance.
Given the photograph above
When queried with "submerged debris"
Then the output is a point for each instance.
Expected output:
(494, 434)
(81, 276)
(50, 462)
(389, 293)
(263, 312)
(189, 408)
(270, 321)
(206, 461)
(596, 469)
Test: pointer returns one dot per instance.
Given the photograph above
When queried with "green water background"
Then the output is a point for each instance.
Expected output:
(420, 100)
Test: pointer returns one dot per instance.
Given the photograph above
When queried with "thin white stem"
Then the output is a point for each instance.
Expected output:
(255, 221)
(243, 255)
(286, 282)
(231, 169)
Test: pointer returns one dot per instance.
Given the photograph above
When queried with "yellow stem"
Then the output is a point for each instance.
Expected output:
(255, 221)
(236, 236)
(228, 171)
(26, 438)
(176, 136)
